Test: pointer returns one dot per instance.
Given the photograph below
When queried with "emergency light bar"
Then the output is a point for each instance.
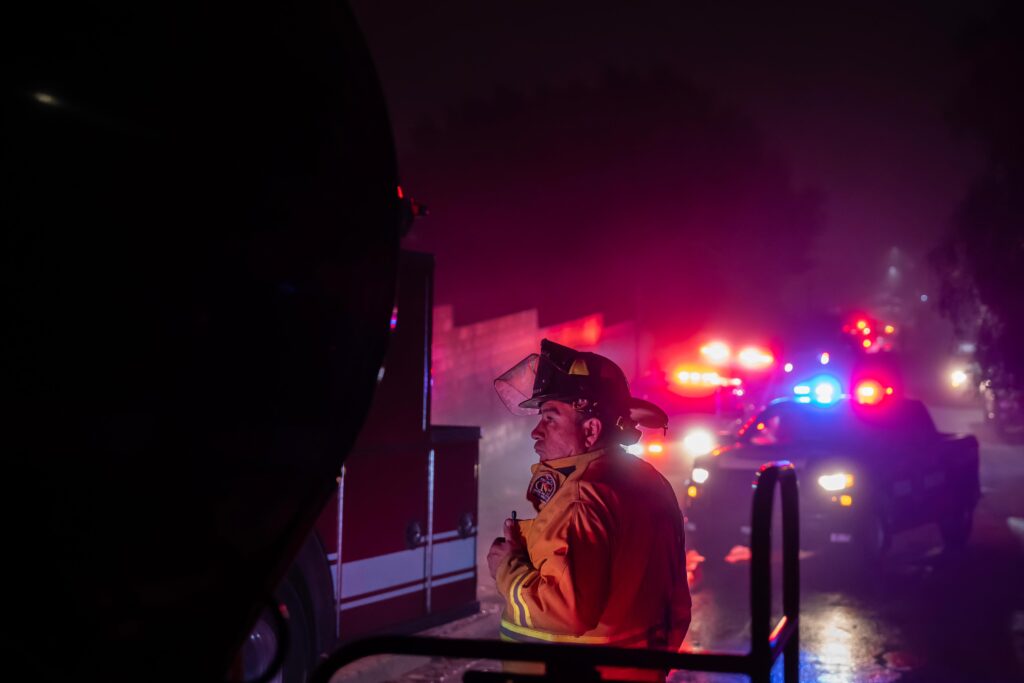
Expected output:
(823, 390)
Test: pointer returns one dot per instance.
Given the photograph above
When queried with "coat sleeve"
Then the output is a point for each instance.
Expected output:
(565, 589)
(680, 604)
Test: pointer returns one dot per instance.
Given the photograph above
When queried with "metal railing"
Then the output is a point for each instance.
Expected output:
(576, 663)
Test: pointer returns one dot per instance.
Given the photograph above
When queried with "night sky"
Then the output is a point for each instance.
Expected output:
(668, 156)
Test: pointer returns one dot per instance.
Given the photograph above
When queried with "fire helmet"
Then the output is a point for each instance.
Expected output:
(592, 383)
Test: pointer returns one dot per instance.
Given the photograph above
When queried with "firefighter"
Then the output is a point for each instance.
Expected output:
(603, 562)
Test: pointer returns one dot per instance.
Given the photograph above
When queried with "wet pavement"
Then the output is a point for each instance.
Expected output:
(917, 616)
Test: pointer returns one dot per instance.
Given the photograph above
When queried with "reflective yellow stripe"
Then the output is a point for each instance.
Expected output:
(508, 629)
(513, 608)
(517, 615)
(522, 602)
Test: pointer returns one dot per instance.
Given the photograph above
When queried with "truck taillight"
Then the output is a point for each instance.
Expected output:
(869, 392)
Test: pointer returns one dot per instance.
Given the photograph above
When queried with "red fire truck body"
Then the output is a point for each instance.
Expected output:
(395, 551)
(407, 532)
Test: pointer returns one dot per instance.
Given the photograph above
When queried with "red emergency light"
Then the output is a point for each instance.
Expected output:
(716, 352)
(871, 392)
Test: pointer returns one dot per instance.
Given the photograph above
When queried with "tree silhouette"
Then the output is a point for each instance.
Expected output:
(981, 262)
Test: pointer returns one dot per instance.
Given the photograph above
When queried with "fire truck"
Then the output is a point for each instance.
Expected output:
(395, 551)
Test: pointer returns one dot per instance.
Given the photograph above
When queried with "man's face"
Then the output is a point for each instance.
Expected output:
(560, 432)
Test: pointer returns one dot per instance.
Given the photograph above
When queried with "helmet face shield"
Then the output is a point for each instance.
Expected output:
(516, 385)
(564, 374)
(538, 378)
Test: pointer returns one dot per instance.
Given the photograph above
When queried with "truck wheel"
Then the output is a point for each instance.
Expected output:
(956, 528)
(856, 564)
(262, 644)
(870, 544)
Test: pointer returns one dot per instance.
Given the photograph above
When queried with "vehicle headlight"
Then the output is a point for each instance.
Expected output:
(699, 475)
(698, 442)
(840, 481)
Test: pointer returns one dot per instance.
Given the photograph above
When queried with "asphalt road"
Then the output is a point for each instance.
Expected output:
(918, 616)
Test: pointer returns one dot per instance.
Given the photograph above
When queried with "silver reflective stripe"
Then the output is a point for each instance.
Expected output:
(454, 556)
(396, 569)
(380, 597)
(445, 535)
(384, 571)
(464, 576)
(428, 564)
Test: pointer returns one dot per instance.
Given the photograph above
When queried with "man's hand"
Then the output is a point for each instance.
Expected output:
(503, 548)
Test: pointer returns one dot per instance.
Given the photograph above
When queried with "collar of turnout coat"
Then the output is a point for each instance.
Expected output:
(548, 476)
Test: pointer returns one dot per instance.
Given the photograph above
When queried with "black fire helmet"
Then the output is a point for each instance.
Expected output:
(592, 383)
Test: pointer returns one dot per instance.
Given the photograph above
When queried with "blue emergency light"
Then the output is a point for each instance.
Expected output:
(823, 390)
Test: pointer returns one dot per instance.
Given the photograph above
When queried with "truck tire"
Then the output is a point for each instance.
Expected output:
(856, 564)
(956, 528)
(262, 644)
(875, 538)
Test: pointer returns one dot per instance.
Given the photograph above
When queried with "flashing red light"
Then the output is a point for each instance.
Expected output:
(717, 352)
(707, 379)
(401, 195)
(754, 358)
(869, 392)
(867, 343)
(861, 324)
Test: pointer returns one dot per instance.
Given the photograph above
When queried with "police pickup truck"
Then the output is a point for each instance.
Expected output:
(866, 472)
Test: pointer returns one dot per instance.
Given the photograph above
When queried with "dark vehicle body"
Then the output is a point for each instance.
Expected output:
(866, 473)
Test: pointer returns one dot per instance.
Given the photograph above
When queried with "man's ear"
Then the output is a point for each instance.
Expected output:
(591, 432)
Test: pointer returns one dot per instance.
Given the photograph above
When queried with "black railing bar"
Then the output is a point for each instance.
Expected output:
(472, 676)
(760, 549)
(790, 646)
(558, 654)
